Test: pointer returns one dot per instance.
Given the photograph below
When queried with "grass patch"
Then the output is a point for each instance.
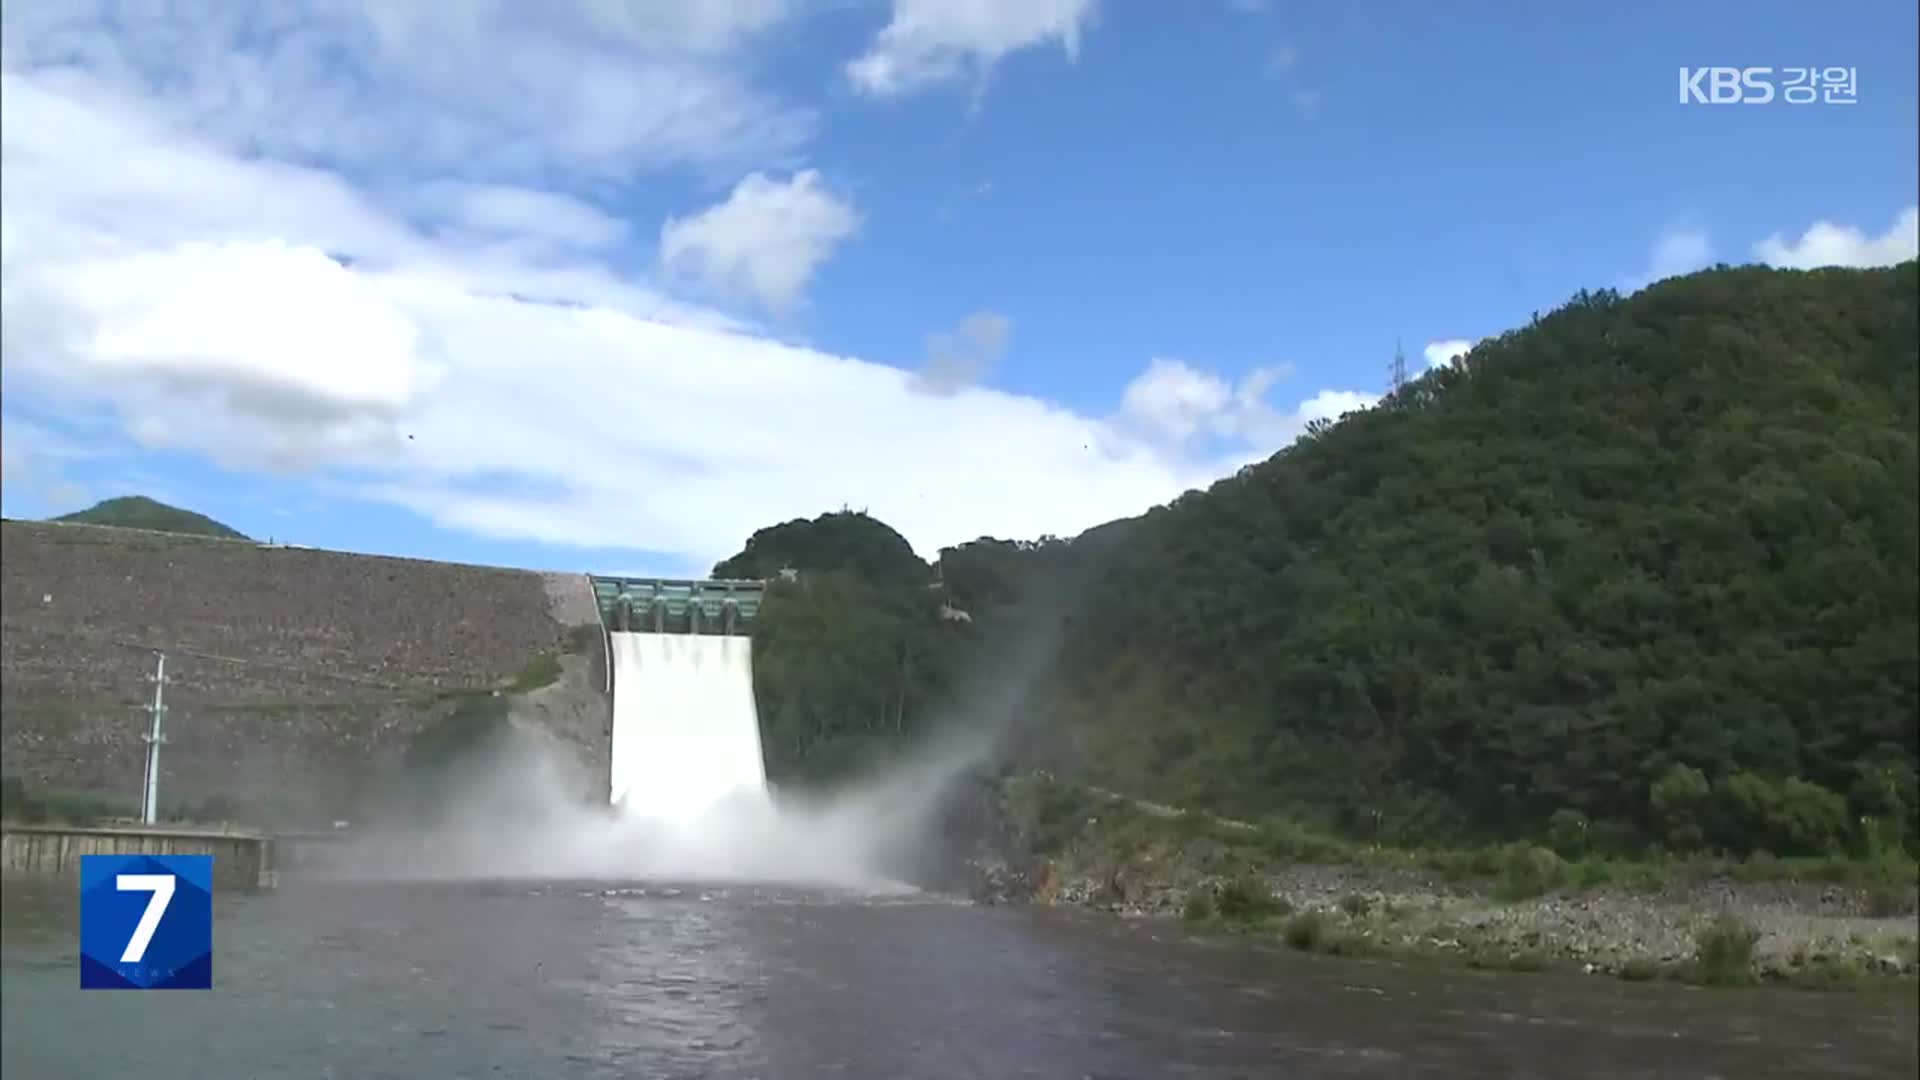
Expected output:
(1245, 898)
(212, 810)
(1886, 900)
(1828, 973)
(1306, 931)
(1527, 872)
(473, 722)
(1723, 952)
(1049, 813)
(1055, 814)
(1590, 873)
(1492, 957)
(1347, 943)
(1759, 866)
(584, 638)
(542, 669)
(1640, 969)
(1645, 878)
(1289, 841)
(1892, 868)
(61, 806)
(1460, 865)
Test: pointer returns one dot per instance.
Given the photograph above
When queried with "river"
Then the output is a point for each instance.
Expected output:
(559, 980)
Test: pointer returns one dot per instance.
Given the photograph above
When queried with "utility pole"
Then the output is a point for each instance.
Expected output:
(150, 800)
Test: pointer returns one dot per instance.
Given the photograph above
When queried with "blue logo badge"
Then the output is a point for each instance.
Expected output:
(146, 922)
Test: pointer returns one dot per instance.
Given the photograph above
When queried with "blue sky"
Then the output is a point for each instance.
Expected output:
(1000, 267)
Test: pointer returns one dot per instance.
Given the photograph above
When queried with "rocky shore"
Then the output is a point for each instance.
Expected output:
(1811, 932)
(1800, 927)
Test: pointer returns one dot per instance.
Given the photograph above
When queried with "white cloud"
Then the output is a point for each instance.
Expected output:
(79, 153)
(1282, 59)
(1678, 250)
(1827, 244)
(193, 297)
(690, 24)
(765, 241)
(308, 359)
(33, 463)
(959, 358)
(1684, 249)
(1334, 404)
(1175, 406)
(1172, 400)
(927, 42)
(1442, 353)
(487, 89)
(494, 212)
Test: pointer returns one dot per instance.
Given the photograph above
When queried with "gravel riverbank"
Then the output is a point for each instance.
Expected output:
(1801, 927)
(1635, 920)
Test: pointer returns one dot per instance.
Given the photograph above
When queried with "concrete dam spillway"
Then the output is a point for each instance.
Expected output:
(686, 731)
(686, 734)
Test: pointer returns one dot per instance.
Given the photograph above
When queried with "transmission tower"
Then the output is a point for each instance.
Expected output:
(1397, 371)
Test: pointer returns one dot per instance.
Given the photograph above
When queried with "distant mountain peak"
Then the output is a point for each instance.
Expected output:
(140, 512)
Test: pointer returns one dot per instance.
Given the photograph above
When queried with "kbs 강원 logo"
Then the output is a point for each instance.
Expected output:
(146, 922)
(1760, 86)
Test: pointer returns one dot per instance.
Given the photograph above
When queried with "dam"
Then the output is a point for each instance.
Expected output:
(686, 731)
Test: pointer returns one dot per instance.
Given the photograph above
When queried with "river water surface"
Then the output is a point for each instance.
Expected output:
(560, 980)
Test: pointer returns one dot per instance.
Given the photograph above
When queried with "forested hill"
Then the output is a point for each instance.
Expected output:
(850, 654)
(867, 649)
(848, 541)
(140, 512)
(1646, 566)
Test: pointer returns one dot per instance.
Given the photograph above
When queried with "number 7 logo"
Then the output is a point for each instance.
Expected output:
(161, 886)
(146, 922)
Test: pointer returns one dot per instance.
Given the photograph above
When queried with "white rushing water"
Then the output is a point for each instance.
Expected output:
(690, 792)
(686, 733)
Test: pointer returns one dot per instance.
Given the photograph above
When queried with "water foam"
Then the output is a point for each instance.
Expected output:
(688, 791)
(686, 732)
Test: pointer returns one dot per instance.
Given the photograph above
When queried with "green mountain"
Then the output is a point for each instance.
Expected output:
(1647, 568)
(140, 512)
(869, 649)
(848, 656)
(1649, 564)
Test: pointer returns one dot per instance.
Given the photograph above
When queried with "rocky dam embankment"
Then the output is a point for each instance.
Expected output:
(296, 678)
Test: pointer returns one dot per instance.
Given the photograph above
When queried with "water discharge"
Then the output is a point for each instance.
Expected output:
(686, 734)
(686, 796)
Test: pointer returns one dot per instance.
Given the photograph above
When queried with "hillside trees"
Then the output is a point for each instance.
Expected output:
(1643, 572)
(851, 656)
(1671, 532)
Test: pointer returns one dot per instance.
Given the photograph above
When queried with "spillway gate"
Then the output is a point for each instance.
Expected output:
(719, 606)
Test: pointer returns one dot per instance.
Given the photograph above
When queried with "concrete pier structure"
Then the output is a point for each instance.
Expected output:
(241, 860)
